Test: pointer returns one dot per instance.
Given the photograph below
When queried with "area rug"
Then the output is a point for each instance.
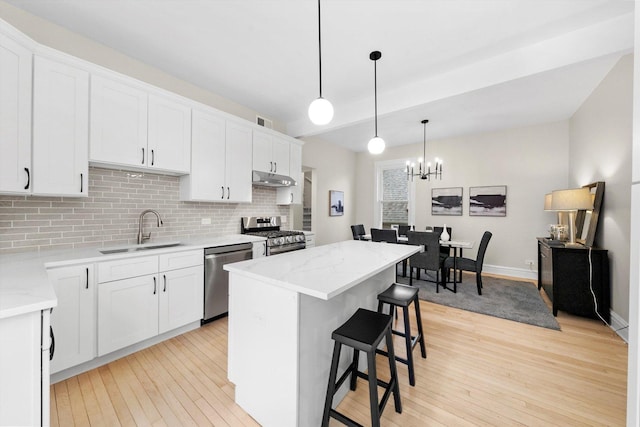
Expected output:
(504, 298)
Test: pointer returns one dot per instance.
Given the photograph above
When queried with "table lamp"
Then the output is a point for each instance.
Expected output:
(571, 201)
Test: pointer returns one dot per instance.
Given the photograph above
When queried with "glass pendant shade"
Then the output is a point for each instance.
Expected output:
(376, 145)
(320, 111)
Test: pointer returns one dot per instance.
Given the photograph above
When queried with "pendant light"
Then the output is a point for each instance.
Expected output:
(320, 110)
(424, 171)
(376, 144)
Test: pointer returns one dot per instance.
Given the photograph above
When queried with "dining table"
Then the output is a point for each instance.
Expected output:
(458, 246)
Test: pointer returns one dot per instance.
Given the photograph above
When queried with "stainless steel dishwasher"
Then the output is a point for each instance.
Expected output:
(216, 280)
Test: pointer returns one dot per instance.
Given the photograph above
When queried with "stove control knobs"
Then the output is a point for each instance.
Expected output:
(300, 238)
(278, 240)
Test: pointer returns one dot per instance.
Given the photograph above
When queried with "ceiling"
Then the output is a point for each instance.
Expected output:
(467, 66)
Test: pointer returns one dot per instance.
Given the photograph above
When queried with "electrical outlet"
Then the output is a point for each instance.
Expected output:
(205, 221)
(529, 262)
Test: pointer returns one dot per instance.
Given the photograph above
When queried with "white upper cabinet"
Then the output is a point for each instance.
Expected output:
(118, 123)
(169, 135)
(130, 127)
(270, 153)
(238, 161)
(207, 180)
(293, 195)
(15, 117)
(220, 160)
(60, 129)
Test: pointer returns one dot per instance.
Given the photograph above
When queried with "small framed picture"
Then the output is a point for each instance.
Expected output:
(488, 201)
(336, 203)
(446, 201)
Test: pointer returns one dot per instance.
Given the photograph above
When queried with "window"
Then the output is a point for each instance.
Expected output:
(394, 204)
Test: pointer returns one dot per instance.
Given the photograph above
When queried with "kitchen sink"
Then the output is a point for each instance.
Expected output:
(140, 248)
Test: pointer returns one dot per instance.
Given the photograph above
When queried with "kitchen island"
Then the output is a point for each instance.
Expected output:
(282, 310)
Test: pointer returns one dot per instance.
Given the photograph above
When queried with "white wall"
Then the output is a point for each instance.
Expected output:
(333, 168)
(600, 150)
(530, 161)
(633, 378)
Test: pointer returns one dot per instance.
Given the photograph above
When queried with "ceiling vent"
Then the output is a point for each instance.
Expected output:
(264, 122)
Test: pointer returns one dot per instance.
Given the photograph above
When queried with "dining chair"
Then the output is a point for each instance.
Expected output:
(358, 232)
(472, 265)
(403, 229)
(384, 235)
(389, 236)
(429, 260)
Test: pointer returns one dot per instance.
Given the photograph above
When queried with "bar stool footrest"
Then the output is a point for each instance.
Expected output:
(344, 419)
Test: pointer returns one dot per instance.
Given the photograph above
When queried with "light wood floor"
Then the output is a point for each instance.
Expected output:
(479, 370)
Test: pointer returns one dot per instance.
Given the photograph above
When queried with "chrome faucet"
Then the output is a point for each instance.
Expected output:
(141, 236)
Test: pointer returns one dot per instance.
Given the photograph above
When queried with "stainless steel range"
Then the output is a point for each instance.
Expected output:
(278, 241)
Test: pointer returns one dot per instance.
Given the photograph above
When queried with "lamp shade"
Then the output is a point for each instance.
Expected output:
(571, 200)
(547, 202)
(376, 145)
(320, 111)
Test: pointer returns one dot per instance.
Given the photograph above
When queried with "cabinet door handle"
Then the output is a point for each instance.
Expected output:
(222, 188)
(228, 193)
(164, 276)
(270, 166)
(52, 348)
(87, 271)
(154, 285)
(143, 156)
(153, 157)
(81, 182)
(275, 167)
(28, 178)
(291, 197)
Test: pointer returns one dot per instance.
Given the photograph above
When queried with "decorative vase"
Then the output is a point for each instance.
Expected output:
(444, 236)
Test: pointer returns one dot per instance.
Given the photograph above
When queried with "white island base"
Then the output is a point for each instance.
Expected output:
(282, 311)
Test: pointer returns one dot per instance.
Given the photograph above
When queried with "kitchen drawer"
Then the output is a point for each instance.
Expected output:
(176, 260)
(109, 271)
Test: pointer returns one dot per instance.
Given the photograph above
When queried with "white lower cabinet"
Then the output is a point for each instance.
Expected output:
(310, 239)
(74, 318)
(24, 369)
(181, 298)
(127, 312)
(133, 309)
(259, 249)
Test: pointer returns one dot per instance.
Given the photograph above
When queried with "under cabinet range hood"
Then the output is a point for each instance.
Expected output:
(267, 179)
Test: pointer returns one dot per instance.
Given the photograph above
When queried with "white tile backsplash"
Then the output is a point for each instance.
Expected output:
(109, 216)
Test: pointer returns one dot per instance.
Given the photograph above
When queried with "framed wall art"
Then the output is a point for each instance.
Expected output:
(446, 201)
(336, 203)
(488, 201)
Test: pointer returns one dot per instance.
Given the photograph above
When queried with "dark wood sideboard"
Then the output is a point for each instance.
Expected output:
(564, 275)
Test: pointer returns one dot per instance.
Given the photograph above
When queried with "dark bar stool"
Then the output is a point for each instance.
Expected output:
(402, 296)
(363, 332)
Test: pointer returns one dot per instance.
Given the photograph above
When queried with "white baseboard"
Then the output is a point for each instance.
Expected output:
(511, 271)
(103, 360)
(619, 326)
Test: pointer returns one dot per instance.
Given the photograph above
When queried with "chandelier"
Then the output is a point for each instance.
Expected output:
(424, 171)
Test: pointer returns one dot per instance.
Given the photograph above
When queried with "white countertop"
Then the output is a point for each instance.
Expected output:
(25, 286)
(324, 271)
